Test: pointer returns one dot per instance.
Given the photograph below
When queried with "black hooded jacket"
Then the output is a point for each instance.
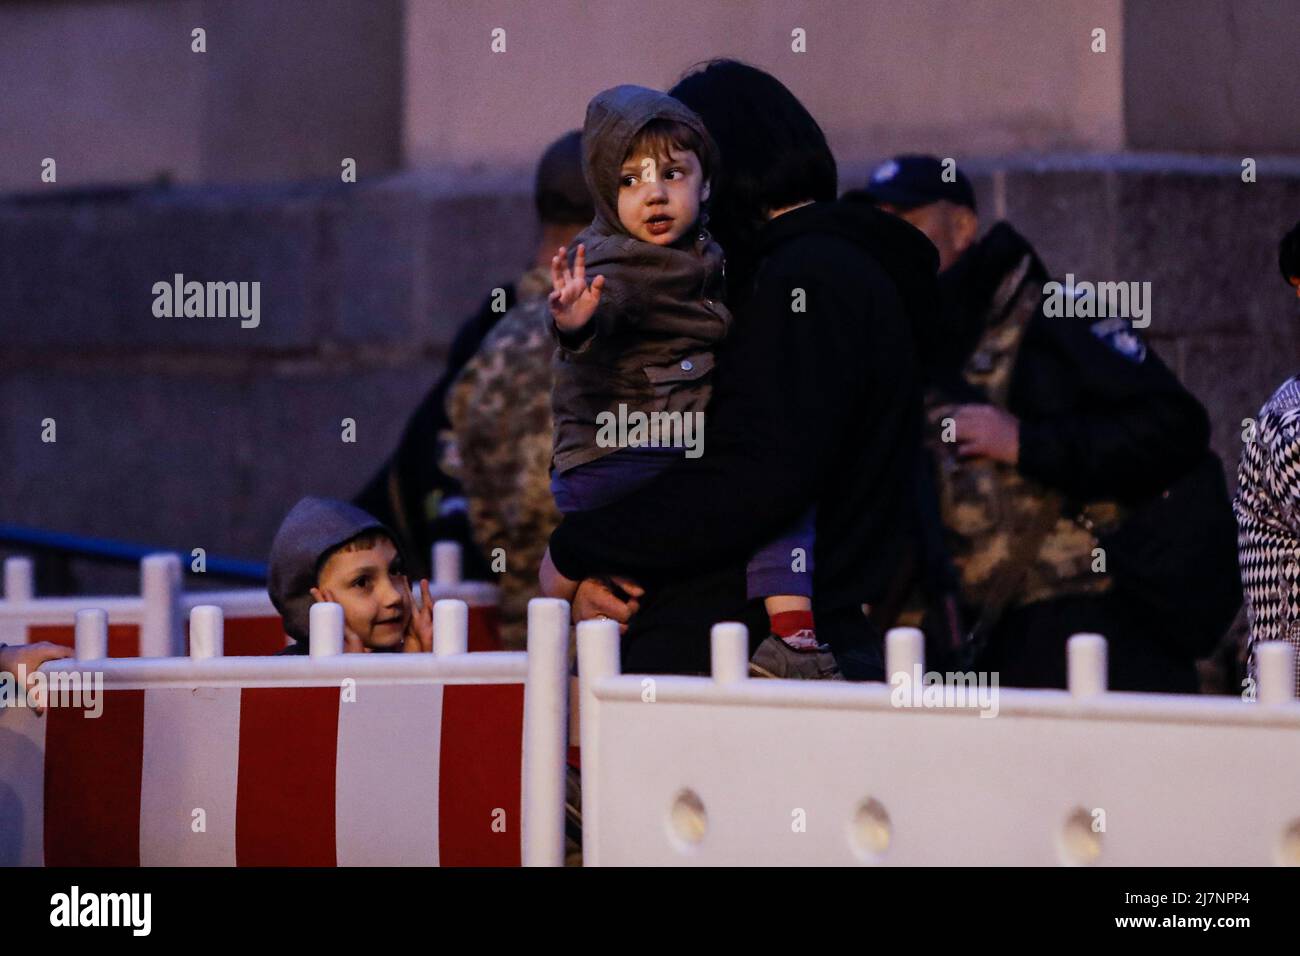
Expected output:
(1094, 423)
(816, 403)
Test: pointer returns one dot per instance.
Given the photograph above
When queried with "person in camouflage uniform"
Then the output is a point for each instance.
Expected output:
(1039, 428)
(500, 448)
(989, 507)
(411, 493)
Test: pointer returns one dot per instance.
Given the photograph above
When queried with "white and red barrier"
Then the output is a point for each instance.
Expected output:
(450, 758)
(149, 624)
(734, 771)
(154, 623)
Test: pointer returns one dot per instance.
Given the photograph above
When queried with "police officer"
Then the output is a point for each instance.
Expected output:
(1044, 432)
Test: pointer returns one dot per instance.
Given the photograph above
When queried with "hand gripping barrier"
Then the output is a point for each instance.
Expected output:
(154, 623)
(450, 758)
(734, 771)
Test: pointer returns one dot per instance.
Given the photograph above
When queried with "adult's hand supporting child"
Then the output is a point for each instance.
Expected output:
(595, 600)
(592, 598)
(552, 582)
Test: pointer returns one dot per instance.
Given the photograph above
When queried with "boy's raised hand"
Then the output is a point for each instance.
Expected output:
(352, 643)
(572, 301)
(419, 635)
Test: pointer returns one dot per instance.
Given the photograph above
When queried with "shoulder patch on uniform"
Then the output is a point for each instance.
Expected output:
(1119, 335)
(885, 171)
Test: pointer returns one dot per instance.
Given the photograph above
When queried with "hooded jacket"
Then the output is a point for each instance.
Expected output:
(310, 531)
(650, 344)
(815, 408)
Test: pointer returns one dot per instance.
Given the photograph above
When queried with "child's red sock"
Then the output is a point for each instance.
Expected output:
(796, 629)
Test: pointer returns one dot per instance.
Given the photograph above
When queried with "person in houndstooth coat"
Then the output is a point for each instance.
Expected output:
(1268, 505)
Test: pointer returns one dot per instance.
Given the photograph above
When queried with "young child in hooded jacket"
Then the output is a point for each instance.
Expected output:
(327, 550)
(638, 343)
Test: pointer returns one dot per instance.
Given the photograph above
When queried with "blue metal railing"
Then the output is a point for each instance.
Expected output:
(121, 552)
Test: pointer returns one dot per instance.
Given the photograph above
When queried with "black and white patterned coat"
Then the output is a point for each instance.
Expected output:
(1268, 519)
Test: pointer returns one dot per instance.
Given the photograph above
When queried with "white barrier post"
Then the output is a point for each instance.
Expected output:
(325, 629)
(18, 579)
(729, 650)
(446, 562)
(450, 627)
(160, 588)
(91, 635)
(1085, 656)
(207, 632)
(1276, 663)
(546, 736)
(904, 654)
(598, 657)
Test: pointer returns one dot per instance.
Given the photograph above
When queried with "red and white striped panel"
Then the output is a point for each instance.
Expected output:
(244, 636)
(257, 773)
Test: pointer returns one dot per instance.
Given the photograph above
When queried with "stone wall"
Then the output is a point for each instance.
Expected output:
(115, 93)
(961, 78)
(199, 433)
(1214, 76)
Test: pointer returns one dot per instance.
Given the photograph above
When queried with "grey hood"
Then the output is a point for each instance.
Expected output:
(614, 117)
(311, 529)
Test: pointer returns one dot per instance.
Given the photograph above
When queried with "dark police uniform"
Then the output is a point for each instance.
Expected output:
(1104, 425)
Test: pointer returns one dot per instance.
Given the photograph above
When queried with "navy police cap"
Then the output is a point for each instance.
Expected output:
(914, 180)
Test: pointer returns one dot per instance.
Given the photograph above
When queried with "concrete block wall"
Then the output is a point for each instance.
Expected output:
(115, 92)
(189, 432)
(195, 432)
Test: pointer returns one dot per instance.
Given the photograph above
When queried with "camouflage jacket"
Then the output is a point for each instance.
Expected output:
(987, 507)
(500, 449)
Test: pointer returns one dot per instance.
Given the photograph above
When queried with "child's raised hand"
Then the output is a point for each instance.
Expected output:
(352, 643)
(419, 635)
(572, 301)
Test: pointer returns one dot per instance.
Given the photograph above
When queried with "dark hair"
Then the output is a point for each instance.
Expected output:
(773, 152)
(660, 137)
(559, 191)
(1288, 254)
(361, 542)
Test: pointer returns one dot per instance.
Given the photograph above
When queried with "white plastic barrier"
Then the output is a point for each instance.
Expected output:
(151, 624)
(737, 771)
(449, 758)
(483, 597)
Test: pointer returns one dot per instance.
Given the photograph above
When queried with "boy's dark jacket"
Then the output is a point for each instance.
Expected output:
(820, 407)
(312, 528)
(660, 317)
